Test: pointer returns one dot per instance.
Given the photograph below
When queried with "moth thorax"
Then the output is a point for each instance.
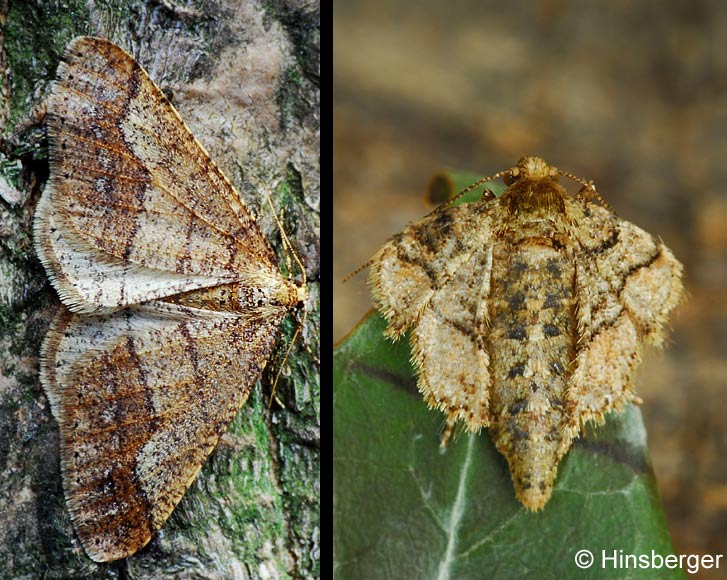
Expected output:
(284, 293)
(530, 196)
(289, 294)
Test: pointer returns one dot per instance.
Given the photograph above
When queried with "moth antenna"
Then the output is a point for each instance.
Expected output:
(300, 323)
(587, 184)
(588, 191)
(357, 270)
(286, 242)
(477, 183)
(290, 251)
(591, 193)
(273, 395)
(288, 246)
(445, 204)
(447, 433)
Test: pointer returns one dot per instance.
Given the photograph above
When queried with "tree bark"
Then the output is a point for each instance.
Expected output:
(245, 78)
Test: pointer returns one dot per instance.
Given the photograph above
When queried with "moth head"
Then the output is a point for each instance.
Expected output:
(301, 292)
(530, 168)
(288, 293)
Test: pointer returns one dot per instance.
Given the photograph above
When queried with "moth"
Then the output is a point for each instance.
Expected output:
(527, 313)
(172, 298)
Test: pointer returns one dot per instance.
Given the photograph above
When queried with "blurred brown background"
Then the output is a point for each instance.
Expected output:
(629, 94)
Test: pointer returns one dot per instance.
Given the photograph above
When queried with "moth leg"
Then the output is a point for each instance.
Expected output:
(488, 194)
(588, 193)
(447, 433)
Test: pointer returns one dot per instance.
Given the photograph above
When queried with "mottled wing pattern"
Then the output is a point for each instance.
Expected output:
(419, 261)
(454, 320)
(422, 273)
(132, 193)
(135, 428)
(627, 281)
(88, 281)
(135, 211)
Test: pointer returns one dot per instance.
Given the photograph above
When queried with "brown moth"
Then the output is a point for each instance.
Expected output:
(173, 298)
(527, 313)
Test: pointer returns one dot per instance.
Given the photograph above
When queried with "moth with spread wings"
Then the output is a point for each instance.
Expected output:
(174, 298)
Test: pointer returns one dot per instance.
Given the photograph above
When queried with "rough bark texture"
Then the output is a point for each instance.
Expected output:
(245, 78)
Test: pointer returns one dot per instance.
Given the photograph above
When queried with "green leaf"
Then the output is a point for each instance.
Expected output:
(404, 508)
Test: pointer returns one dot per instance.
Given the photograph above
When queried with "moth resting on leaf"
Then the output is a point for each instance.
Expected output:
(528, 313)
(173, 298)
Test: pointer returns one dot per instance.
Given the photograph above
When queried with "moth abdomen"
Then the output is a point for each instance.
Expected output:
(531, 341)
